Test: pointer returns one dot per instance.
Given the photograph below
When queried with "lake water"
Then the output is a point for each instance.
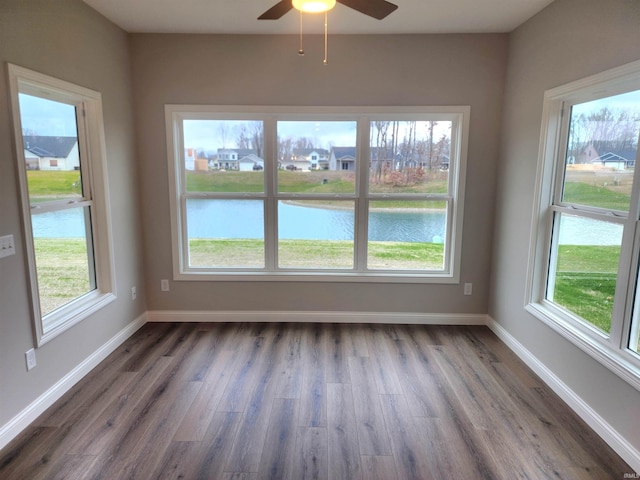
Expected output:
(216, 219)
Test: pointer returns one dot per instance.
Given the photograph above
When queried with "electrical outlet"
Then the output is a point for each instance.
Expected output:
(7, 246)
(164, 285)
(468, 288)
(30, 355)
(134, 293)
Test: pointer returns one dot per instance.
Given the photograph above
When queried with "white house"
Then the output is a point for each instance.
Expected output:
(343, 158)
(51, 153)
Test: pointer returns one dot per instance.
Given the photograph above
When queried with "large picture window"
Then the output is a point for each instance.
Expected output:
(584, 269)
(60, 152)
(333, 193)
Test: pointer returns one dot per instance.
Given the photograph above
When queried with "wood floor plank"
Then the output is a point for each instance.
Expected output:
(195, 423)
(472, 398)
(335, 352)
(68, 468)
(383, 364)
(28, 454)
(406, 442)
(249, 443)
(373, 437)
(344, 450)
(311, 461)
(239, 476)
(378, 468)
(355, 340)
(141, 452)
(419, 385)
(277, 455)
(107, 425)
(313, 396)
(292, 365)
(243, 377)
(447, 451)
(263, 400)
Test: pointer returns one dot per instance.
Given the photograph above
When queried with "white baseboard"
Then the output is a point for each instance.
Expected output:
(316, 317)
(611, 436)
(18, 423)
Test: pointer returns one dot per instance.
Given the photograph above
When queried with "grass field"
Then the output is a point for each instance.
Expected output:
(48, 185)
(586, 282)
(315, 254)
(62, 271)
(322, 181)
(596, 196)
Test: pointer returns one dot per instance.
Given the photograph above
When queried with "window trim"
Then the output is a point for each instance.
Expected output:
(610, 350)
(92, 128)
(174, 114)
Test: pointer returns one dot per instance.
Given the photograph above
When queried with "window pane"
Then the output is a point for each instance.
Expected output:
(406, 235)
(316, 234)
(409, 156)
(316, 157)
(225, 233)
(64, 256)
(224, 155)
(586, 265)
(601, 152)
(50, 141)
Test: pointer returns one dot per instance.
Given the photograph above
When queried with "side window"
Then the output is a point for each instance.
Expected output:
(586, 245)
(58, 131)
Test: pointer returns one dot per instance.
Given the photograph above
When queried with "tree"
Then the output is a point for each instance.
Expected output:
(605, 130)
(251, 137)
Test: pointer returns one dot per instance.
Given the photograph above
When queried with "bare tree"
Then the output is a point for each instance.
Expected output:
(251, 137)
(223, 133)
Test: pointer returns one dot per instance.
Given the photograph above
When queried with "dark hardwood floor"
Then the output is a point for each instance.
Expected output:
(297, 401)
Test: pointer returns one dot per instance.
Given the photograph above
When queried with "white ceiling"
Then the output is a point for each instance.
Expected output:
(240, 16)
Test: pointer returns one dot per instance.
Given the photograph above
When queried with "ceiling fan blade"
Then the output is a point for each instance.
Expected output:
(277, 11)
(374, 8)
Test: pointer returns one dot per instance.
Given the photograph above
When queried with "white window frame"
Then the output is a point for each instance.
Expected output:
(610, 350)
(92, 147)
(459, 115)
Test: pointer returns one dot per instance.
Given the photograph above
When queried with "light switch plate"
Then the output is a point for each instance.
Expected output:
(7, 246)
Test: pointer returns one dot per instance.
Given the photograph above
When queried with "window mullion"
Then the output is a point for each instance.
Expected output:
(362, 186)
(271, 188)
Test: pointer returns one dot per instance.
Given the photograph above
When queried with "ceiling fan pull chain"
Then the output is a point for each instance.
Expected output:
(326, 43)
(301, 50)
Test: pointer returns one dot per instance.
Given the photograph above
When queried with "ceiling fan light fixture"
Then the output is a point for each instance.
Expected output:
(314, 6)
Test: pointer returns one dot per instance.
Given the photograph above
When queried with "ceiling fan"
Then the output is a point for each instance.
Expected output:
(374, 8)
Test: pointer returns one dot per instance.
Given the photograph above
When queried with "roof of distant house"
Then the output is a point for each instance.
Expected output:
(617, 156)
(341, 152)
(45, 146)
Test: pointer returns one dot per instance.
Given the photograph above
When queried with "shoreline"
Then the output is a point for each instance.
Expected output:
(299, 203)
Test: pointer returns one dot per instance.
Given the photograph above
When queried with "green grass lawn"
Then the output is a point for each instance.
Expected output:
(595, 196)
(586, 282)
(47, 185)
(321, 181)
(315, 254)
(62, 271)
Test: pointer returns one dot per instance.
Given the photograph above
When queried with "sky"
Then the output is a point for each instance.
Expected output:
(626, 101)
(40, 116)
(211, 134)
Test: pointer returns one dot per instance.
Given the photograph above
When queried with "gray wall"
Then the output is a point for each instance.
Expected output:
(68, 40)
(569, 40)
(362, 70)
